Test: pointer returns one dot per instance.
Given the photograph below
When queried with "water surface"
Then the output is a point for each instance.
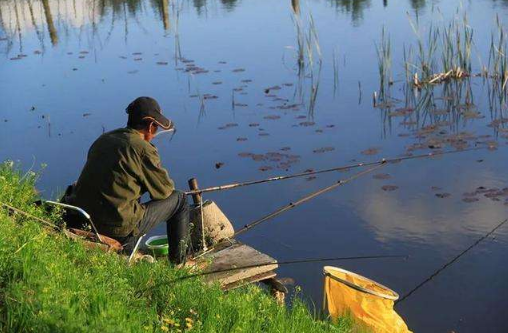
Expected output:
(68, 69)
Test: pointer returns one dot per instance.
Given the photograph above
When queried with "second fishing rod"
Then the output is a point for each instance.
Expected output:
(374, 166)
(340, 168)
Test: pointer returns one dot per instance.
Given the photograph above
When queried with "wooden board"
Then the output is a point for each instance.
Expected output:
(234, 256)
(252, 279)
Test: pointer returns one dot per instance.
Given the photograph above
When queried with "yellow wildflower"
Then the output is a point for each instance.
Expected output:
(165, 328)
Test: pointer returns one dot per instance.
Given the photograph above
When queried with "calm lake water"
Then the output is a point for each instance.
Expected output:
(226, 72)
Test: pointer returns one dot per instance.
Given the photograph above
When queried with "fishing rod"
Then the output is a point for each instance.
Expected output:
(445, 266)
(341, 168)
(287, 262)
(19, 211)
(292, 205)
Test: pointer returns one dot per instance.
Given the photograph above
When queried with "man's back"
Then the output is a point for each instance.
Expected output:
(120, 167)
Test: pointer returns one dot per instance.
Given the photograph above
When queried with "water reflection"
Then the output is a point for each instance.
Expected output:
(201, 5)
(354, 7)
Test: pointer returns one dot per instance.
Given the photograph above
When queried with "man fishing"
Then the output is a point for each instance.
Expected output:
(121, 166)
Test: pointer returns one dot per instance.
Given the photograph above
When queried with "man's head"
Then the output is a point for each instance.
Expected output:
(145, 116)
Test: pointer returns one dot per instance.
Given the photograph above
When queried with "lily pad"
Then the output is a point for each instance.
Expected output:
(370, 151)
(323, 150)
(389, 188)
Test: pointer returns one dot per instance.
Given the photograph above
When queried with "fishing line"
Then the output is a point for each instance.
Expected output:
(433, 275)
(341, 168)
(288, 262)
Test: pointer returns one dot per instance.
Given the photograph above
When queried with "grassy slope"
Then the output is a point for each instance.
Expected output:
(51, 284)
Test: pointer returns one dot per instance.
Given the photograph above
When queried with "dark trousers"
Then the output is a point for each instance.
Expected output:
(175, 212)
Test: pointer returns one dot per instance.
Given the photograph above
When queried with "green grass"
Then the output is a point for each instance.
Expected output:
(49, 283)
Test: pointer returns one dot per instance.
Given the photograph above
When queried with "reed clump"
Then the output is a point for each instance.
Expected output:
(443, 52)
(49, 283)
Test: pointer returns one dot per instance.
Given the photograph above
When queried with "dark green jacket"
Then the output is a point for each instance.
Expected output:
(120, 168)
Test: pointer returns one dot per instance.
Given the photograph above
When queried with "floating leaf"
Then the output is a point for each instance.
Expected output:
(470, 199)
(443, 195)
(253, 125)
(272, 117)
(217, 82)
(323, 150)
(307, 123)
(285, 148)
(370, 151)
(310, 178)
(86, 114)
(389, 188)
(241, 139)
(267, 90)
(162, 63)
(238, 70)
(219, 165)
(265, 168)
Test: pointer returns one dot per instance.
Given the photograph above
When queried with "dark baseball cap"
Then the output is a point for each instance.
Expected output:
(147, 108)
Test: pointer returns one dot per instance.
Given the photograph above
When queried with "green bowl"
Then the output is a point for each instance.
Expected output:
(158, 245)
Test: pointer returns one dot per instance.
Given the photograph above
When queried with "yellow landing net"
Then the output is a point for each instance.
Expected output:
(367, 301)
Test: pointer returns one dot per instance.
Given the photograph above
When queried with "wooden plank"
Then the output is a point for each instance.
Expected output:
(236, 255)
(252, 279)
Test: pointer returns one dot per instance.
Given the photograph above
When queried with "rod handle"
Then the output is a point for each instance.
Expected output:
(193, 186)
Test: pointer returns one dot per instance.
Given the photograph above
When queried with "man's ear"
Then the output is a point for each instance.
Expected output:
(152, 128)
